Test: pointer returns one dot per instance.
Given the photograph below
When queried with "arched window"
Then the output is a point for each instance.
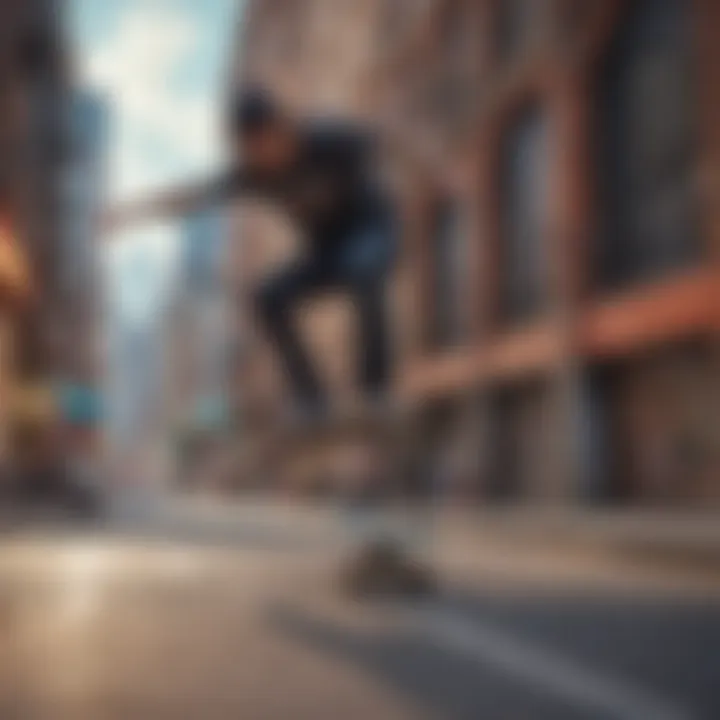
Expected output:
(448, 262)
(523, 210)
(645, 155)
(454, 84)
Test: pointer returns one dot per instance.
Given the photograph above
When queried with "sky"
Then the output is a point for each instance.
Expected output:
(161, 65)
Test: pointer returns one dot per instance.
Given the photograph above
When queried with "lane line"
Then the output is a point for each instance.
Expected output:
(544, 668)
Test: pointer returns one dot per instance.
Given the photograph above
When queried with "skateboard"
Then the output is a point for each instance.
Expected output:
(345, 425)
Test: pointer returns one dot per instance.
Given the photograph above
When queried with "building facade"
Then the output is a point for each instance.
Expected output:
(557, 318)
(15, 290)
(198, 341)
(34, 82)
(80, 363)
(84, 189)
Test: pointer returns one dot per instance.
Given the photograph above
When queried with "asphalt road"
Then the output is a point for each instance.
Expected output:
(135, 626)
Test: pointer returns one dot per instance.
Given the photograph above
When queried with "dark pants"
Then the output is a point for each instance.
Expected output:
(358, 264)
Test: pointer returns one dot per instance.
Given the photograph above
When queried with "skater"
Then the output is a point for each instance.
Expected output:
(324, 175)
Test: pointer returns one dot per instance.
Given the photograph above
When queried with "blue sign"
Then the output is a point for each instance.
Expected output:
(80, 405)
(211, 412)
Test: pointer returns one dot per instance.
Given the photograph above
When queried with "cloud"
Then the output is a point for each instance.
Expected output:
(161, 132)
(138, 68)
(156, 62)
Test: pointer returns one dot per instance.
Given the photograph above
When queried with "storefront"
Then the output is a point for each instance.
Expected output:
(15, 291)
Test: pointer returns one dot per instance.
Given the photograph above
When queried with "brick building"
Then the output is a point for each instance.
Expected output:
(558, 321)
(34, 148)
(35, 79)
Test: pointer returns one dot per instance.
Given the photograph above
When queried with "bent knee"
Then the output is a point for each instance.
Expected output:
(267, 299)
(271, 298)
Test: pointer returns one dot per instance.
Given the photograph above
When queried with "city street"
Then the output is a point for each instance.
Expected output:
(232, 613)
(454, 264)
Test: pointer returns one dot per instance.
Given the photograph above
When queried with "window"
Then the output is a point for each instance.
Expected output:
(523, 205)
(645, 155)
(522, 460)
(456, 84)
(518, 24)
(448, 262)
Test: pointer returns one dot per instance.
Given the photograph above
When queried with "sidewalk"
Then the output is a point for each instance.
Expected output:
(684, 541)
(688, 540)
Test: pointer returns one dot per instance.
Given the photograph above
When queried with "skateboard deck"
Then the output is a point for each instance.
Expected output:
(361, 424)
(347, 448)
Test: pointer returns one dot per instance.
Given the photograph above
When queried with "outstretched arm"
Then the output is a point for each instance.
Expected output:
(171, 203)
(166, 204)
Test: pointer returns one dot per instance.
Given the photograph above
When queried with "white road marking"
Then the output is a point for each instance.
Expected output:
(546, 669)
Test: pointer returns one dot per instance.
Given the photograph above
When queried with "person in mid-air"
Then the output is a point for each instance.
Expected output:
(324, 174)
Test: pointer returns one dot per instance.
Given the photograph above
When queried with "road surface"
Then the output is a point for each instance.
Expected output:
(211, 625)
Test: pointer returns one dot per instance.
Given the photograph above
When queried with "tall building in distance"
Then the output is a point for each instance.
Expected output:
(198, 332)
(136, 422)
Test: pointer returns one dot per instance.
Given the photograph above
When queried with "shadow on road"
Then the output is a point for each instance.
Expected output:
(666, 644)
(664, 648)
(441, 684)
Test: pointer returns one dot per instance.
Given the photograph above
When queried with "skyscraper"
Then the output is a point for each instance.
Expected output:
(197, 323)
